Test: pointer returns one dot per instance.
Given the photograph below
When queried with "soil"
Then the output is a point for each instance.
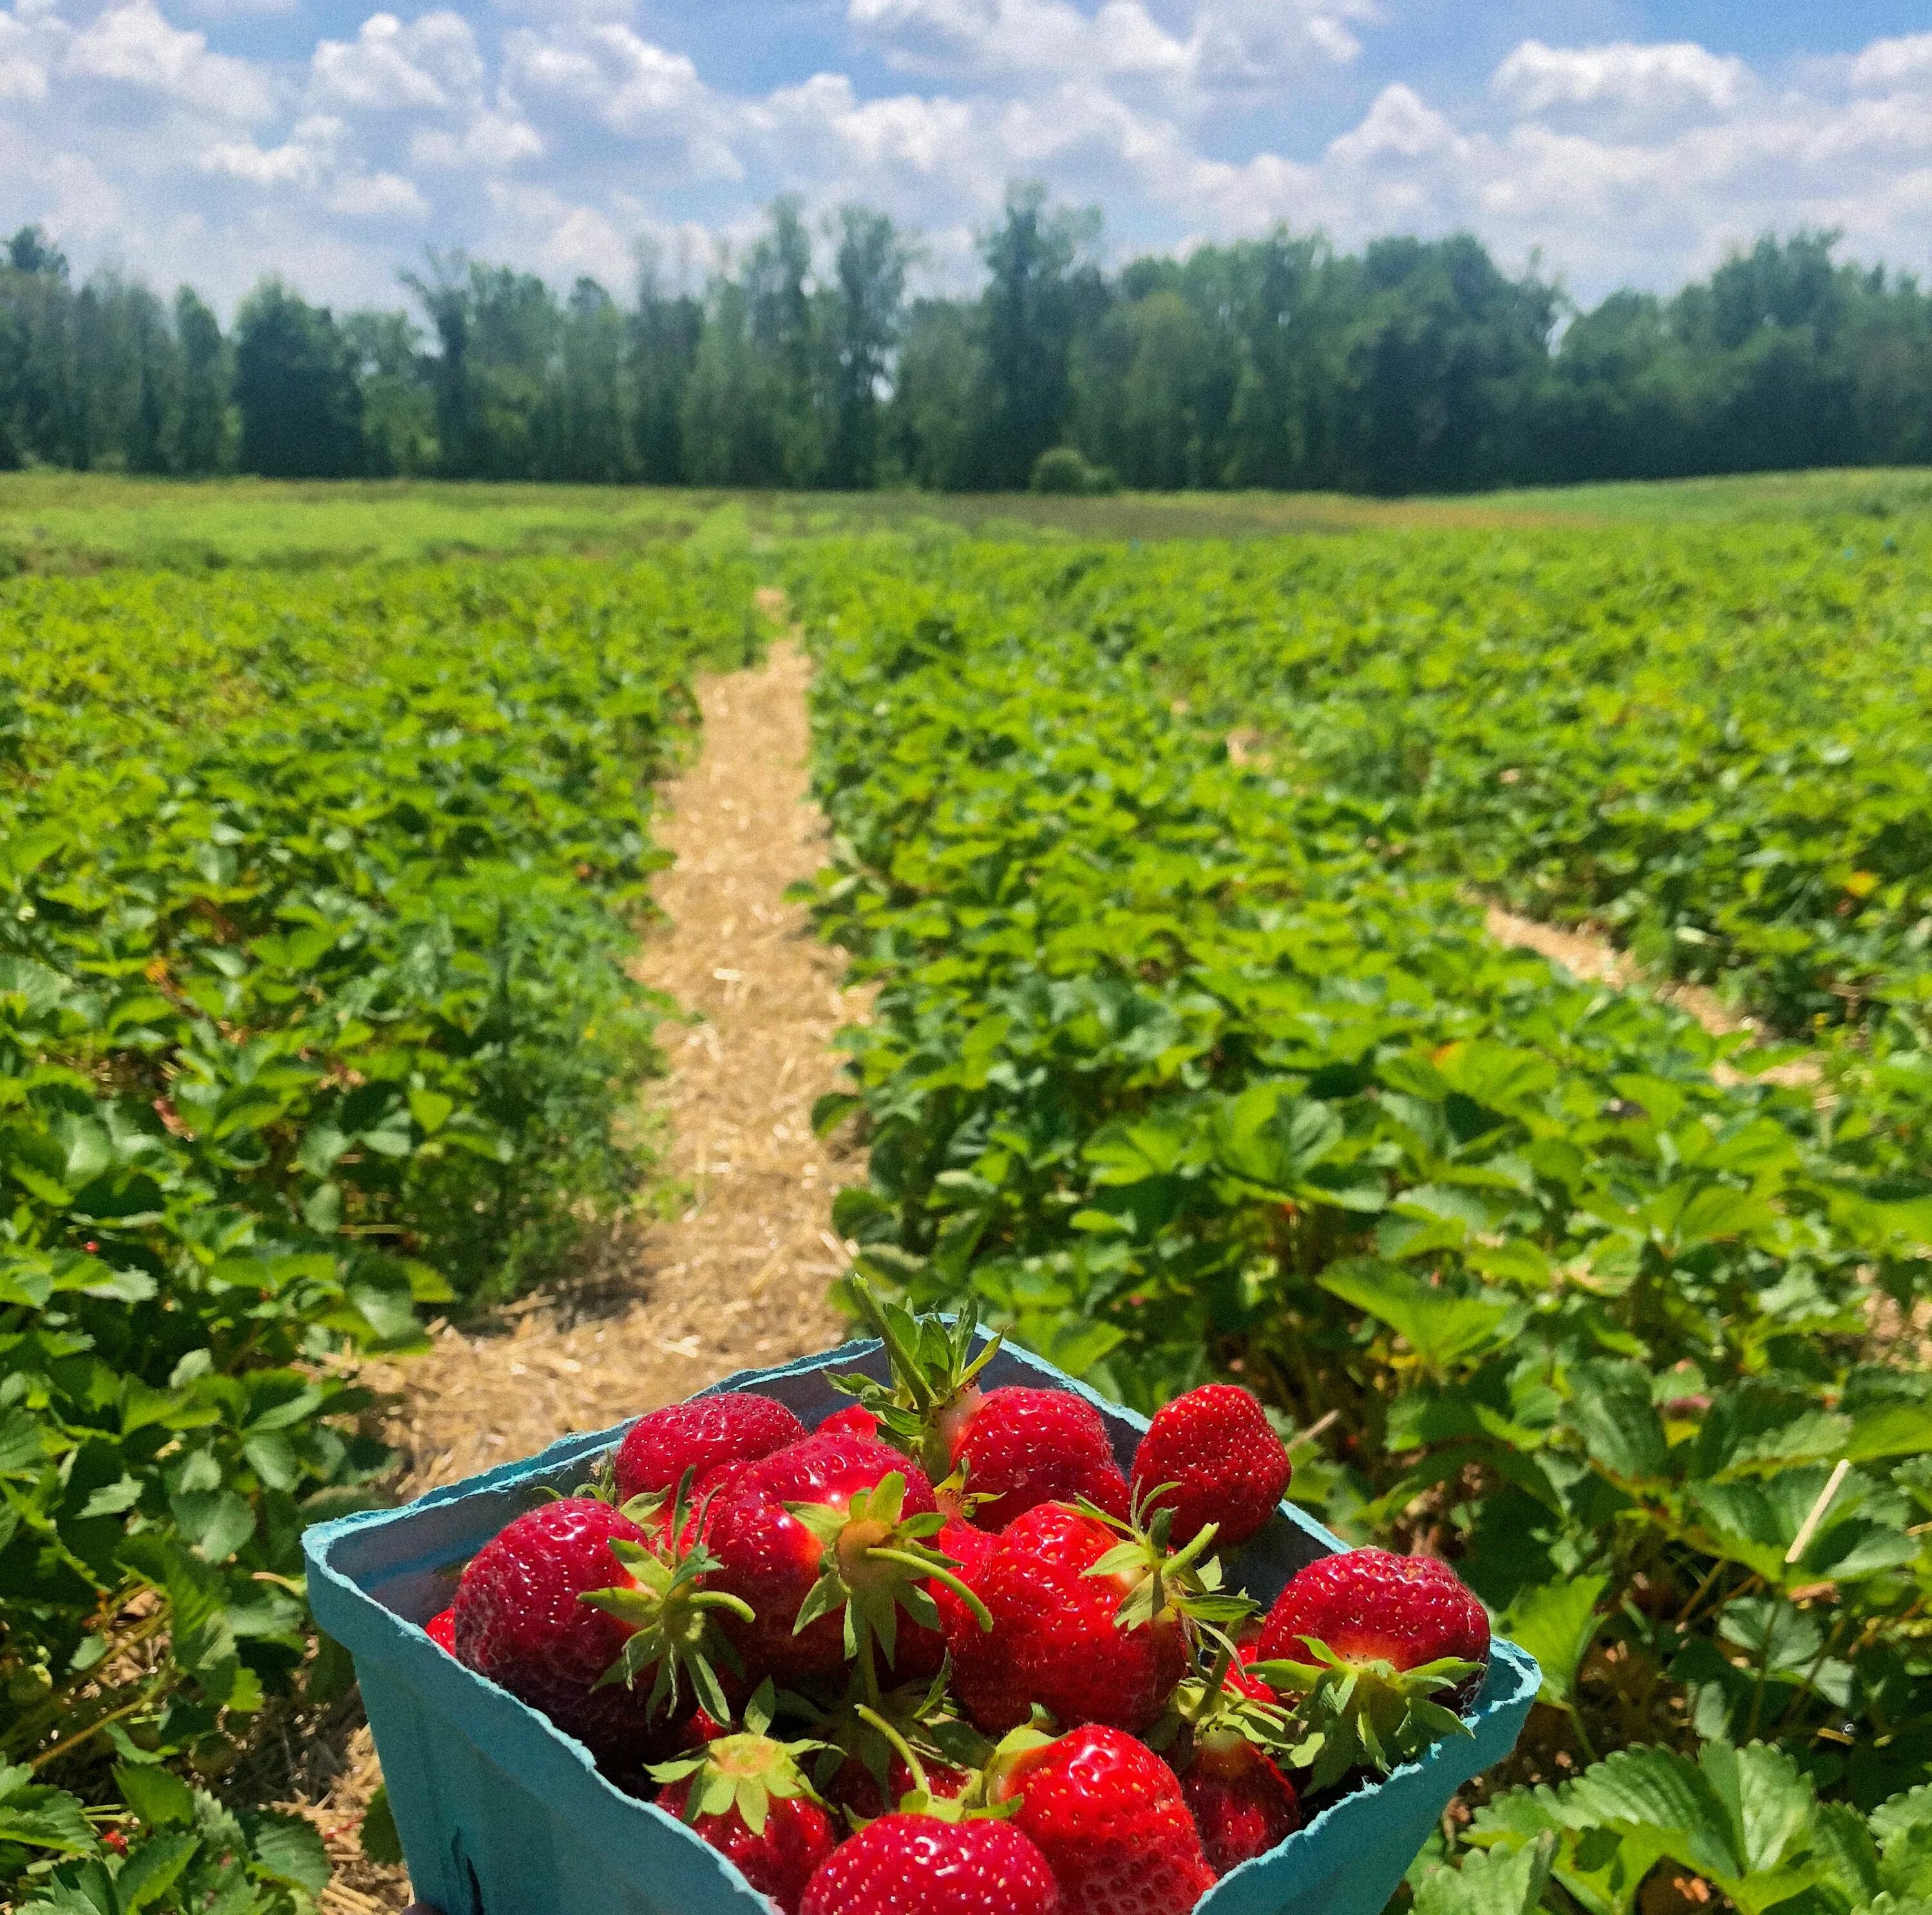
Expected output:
(736, 1276)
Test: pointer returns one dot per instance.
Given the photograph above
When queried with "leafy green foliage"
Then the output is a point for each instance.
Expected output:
(315, 896)
(1173, 1067)
(176, 1850)
(1712, 744)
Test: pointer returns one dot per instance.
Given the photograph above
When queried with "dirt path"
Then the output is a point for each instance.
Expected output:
(737, 1277)
(1596, 960)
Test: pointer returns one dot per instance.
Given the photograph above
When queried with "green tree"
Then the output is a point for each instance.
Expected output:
(296, 388)
(783, 334)
(732, 421)
(444, 294)
(202, 433)
(1445, 353)
(1030, 312)
(398, 407)
(664, 330)
(587, 436)
(864, 306)
(932, 434)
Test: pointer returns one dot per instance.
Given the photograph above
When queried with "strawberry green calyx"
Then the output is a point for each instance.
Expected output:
(1368, 1713)
(748, 1772)
(874, 1561)
(673, 1619)
(921, 1799)
(1182, 1585)
(916, 1725)
(934, 1366)
(997, 1782)
(1214, 1711)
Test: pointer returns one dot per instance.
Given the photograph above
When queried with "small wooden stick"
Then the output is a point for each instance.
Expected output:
(1314, 1430)
(1808, 1528)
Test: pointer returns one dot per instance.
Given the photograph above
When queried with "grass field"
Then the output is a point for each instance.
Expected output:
(65, 521)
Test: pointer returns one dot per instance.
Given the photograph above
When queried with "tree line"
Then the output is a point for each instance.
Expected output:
(1412, 365)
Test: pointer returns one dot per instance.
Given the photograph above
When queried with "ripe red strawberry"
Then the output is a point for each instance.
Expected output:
(914, 1865)
(699, 1435)
(1018, 1447)
(827, 1542)
(1057, 1638)
(1368, 1605)
(1109, 1815)
(746, 1795)
(1227, 1466)
(1369, 1642)
(853, 1786)
(855, 1420)
(1241, 1802)
(911, 1738)
(778, 1856)
(441, 1629)
(983, 1675)
(571, 1590)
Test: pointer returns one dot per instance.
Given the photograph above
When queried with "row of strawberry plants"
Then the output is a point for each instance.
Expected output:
(1174, 1072)
(315, 898)
(1712, 740)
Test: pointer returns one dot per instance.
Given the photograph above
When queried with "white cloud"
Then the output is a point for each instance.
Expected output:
(645, 92)
(23, 62)
(1670, 77)
(492, 143)
(1229, 47)
(134, 45)
(1039, 37)
(314, 162)
(310, 153)
(1888, 63)
(378, 196)
(1398, 126)
(558, 134)
(389, 68)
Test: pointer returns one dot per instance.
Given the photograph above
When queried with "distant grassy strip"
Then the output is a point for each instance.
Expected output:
(64, 521)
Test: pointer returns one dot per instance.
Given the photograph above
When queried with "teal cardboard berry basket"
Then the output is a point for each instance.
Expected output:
(502, 1814)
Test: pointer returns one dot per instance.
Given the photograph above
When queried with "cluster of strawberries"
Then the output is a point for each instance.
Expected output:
(941, 1656)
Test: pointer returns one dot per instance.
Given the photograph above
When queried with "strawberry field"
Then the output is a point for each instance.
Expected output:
(316, 894)
(1178, 1071)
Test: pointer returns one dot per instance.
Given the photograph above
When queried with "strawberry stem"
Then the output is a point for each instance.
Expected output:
(905, 1369)
(901, 1747)
(981, 1614)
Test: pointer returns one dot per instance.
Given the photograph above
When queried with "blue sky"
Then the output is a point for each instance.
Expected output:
(1623, 141)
